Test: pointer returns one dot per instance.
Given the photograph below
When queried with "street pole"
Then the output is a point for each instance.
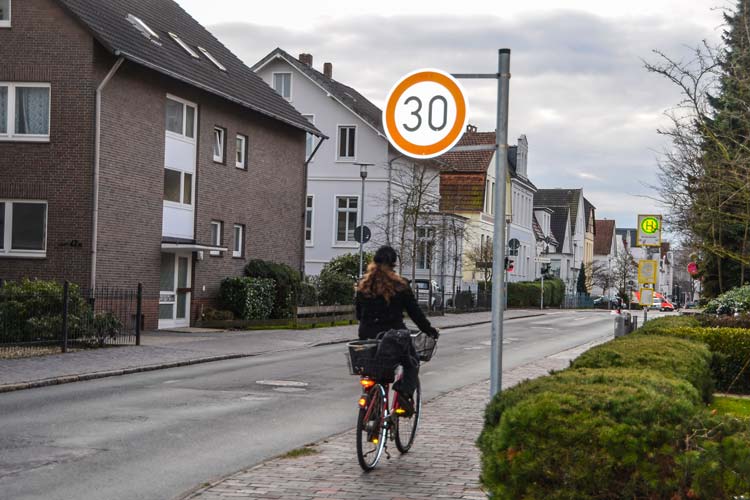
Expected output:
(498, 261)
(363, 175)
(541, 301)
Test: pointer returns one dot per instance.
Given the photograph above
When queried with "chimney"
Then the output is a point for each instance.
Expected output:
(306, 59)
(328, 70)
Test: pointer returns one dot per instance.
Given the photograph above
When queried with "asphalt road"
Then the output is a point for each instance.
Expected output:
(158, 434)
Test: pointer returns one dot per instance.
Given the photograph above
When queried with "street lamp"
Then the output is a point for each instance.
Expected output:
(363, 176)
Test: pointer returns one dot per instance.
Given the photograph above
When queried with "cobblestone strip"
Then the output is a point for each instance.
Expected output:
(443, 463)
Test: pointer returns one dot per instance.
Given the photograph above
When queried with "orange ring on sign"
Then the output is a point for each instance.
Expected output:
(390, 113)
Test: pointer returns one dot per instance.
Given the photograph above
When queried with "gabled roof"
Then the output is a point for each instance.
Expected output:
(558, 224)
(558, 198)
(588, 209)
(539, 234)
(462, 192)
(352, 99)
(604, 232)
(108, 24)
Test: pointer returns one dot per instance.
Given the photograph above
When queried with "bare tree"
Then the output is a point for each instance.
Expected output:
(603, 276)
(625, 270)
(480, 255)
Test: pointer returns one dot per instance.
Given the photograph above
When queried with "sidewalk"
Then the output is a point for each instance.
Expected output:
(444, 462)
(168, 349)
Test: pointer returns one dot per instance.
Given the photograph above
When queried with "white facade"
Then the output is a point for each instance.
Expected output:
(334, 184)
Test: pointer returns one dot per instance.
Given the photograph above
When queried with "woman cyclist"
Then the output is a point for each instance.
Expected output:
(382, 298)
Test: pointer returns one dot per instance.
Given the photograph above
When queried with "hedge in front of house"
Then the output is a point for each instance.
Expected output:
(588, 433)
(662, 325)
(679, 358)
(731, 349)
(528, 293)
(287, 281)
(248, 298)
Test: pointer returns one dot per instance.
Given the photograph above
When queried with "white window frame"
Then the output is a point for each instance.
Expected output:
(273, 84)
(310, 212)
(183, 136)
(425, 237)
(181, 203)
(222, 152)
(7, 235)
(6, 23)
(242, 164)
(309, 138)
(344, 243)
(212, 58)
(10, 134)
(238, 253)
(219, 236)
(187, 48)
(141, 26)
(345, 159)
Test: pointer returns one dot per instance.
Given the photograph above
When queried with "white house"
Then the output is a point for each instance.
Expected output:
(334, 204)
(605, 252)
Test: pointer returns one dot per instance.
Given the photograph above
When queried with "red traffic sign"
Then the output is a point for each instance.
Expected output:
(692, 268)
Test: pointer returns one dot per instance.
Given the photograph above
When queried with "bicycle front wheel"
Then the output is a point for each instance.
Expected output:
(371, 430)
(406, 427)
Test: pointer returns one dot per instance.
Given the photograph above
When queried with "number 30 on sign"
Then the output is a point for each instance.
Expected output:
(426, 113)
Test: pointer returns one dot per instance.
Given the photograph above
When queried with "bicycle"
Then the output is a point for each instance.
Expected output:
(380, 418)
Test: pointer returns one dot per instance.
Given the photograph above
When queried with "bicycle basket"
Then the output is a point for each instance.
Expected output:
(363, 361)
(425, 346)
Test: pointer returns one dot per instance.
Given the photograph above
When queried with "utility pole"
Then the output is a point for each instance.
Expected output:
(363, 176)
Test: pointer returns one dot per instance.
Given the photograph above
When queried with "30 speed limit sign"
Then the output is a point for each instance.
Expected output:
(426, 113)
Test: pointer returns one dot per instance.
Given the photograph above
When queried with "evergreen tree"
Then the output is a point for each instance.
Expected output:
(581, 285)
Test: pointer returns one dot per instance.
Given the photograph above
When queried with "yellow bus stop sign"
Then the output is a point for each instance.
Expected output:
(649, 231)
(647, 271)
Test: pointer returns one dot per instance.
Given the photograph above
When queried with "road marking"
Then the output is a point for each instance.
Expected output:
(171, 381)
(541, 327)
(282, 383)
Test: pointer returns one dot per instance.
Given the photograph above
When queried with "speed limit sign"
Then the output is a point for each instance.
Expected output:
(426, 113)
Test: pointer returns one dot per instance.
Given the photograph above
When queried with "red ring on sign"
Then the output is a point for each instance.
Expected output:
(390, 113)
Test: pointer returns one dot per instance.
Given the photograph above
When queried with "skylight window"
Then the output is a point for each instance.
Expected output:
(185, 46)
(138, 23)
(212, 59)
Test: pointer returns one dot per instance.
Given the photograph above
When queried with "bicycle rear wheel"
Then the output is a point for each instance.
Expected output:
(371, 429)
(406, 427)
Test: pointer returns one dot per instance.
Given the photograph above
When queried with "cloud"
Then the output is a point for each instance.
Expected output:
(578, 89)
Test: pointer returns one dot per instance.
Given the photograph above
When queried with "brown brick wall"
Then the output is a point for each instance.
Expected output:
(45, 45)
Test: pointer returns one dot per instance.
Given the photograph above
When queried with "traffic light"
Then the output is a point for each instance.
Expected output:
(509, 264)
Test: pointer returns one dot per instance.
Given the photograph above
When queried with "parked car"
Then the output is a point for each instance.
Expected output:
(606, 302)
(423, 294)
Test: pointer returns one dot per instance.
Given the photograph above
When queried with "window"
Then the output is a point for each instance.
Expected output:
(4, 13)
(24, 111)
(487, 196)
(212, 59)
(178, 186)
(347, 141)
(23, 228)
(180, 118)
(425, 242)
(241, 152)
(239, 242)
(309, 138)
(492, 198)
(309, 221)
(219, 134)
(138, 24)
(282, 83)
(216, 236)
(346, 218)
(185, 46)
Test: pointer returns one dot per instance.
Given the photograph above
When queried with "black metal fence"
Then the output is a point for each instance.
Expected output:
(49, 317)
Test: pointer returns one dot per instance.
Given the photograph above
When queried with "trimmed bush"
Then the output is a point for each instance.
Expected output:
(287, 280)
(347, 265)
(336, 289)
(528, 293)
(663, 325)
(674, 357)
(309, 292)
(585, 434)
(741, 321)
(248, 298)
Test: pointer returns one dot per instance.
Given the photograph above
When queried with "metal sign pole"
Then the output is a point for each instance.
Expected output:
(501, 167)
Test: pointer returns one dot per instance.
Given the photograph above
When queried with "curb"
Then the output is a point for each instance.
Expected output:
(68, 379)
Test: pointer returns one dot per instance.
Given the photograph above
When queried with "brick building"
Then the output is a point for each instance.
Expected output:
(134, 147)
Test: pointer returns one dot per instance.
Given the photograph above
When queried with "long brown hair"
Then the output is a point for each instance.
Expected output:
(381, 281)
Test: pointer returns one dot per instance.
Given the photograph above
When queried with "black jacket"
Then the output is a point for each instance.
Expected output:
(375, 315)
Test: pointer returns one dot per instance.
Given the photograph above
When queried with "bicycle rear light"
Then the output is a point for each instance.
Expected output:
(367, 383)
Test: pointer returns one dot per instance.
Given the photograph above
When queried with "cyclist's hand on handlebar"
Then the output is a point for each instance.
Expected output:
(435, 334)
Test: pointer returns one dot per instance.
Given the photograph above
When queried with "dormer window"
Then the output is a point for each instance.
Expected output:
(212, 59)
(185, 46)
(138, 24)
(4, 13)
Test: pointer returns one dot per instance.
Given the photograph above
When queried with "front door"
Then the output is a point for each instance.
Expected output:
(174, 295)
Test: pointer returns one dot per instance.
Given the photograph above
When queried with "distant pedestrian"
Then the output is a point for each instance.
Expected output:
(382, 297)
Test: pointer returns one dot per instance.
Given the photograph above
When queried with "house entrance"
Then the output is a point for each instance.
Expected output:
(175, 290)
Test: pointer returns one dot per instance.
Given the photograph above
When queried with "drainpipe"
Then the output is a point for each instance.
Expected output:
(97, 155)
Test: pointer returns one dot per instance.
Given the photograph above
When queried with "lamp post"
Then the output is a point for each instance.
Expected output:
(363, 176)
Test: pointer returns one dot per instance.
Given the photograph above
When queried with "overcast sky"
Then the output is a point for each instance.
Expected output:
(578, 91)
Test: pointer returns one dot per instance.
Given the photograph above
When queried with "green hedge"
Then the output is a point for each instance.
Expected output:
(248, 298)
(680, 358)
(528, 293)
(609, 433)
(287, 281)
(336, 289)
